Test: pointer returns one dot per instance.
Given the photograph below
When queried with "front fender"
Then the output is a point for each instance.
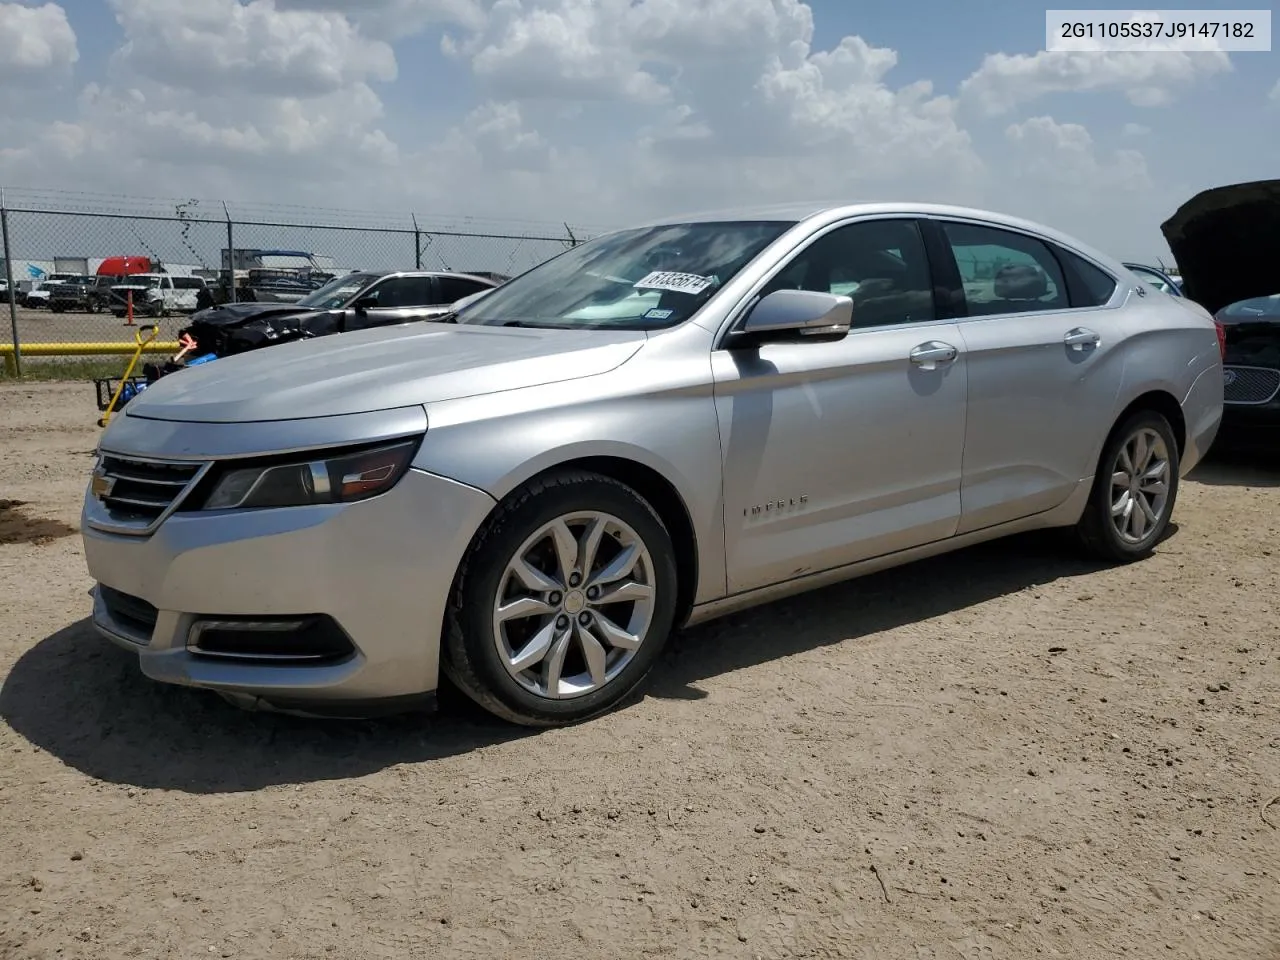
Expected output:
(498, 442)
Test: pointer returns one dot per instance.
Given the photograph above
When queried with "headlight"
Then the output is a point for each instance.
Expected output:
(337, 478)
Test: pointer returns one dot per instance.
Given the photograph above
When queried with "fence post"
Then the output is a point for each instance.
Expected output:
(417, 243)
(8, 275)
(231, 255)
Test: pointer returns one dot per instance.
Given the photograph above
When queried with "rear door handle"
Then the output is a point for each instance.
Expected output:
(1081, 337)
(927, 356)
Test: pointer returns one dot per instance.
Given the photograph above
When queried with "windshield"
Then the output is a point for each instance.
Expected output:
(641, 279)
(1262, 307)
(338, 292)
(141, 281)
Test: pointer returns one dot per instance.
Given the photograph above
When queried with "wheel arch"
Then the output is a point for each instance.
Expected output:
(660, 493)
(1159, 401)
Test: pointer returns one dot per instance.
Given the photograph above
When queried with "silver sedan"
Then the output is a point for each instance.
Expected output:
(654, 428)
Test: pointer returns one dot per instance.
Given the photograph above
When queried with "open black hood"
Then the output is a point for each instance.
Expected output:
(1227, 243)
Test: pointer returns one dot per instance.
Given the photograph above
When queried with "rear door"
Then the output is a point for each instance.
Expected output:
(836, 452)
(1041, 330)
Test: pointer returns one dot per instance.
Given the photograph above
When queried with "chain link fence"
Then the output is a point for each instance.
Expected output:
(63, 253)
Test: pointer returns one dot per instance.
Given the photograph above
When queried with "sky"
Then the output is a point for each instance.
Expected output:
(603, 113)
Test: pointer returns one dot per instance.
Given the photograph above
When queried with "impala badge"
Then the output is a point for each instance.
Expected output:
(775, 506)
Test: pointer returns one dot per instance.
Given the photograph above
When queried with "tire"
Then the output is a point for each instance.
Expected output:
(479, 653)
(1098, 532)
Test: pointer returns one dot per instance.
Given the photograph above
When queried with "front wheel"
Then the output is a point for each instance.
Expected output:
(563, 602)
(1134, 490)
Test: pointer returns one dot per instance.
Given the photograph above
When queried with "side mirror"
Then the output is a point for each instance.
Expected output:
(796, 316)
(364, 304)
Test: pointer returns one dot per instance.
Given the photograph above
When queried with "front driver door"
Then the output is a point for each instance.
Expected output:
(838, 452)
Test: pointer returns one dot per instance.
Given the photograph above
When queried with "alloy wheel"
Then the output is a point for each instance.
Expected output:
(1139, 485)
(574, 605)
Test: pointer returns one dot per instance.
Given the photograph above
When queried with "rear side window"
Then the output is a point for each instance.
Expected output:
(1087, 285)
(452, 289)
(1005, 272)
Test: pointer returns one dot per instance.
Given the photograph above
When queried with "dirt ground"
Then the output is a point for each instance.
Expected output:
(1001, 754)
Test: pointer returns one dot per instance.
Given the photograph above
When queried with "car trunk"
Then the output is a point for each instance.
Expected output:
(1227, 243)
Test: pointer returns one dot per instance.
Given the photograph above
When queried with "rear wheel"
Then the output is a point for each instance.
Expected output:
(1134, 490)
(563, 602)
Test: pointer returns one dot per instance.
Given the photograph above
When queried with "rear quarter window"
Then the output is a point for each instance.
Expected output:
(1087, 285)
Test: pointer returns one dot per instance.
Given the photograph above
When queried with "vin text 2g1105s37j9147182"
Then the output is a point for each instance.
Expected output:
(656, 427)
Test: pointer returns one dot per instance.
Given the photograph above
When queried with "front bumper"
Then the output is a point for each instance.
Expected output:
(382, 569)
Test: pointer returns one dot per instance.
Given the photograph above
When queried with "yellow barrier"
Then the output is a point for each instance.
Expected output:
(78, 350)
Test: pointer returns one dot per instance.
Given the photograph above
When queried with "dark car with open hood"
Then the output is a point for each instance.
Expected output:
(355, 301)
(1227, 244)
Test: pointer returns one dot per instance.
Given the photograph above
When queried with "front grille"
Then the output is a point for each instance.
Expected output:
(130, 612)
(1250, 384)
(139, 493)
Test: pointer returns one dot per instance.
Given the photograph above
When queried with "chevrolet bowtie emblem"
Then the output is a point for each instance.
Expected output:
(102, 485)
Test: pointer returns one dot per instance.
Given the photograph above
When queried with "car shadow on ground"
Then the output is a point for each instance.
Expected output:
(86, 702)
(1240, 463)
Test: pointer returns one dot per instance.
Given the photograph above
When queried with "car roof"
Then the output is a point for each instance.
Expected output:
(426, 273)
(819, 214)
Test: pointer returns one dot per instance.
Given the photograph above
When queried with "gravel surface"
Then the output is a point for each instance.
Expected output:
(1005, 753)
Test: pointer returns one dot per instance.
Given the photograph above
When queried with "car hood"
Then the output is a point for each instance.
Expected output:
(1227, 243)
(380, 369)
(235, 312)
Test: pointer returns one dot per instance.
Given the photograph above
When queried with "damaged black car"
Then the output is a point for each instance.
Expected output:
(1225, 241)
(356, 301)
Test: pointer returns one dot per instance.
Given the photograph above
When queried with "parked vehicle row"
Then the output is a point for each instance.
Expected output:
(656, 427)
(1225, 241)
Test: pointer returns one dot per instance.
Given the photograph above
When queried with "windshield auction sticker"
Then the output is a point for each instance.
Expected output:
(676, 282)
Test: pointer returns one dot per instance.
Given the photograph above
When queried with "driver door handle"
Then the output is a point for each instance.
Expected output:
(1081, 337)
(927, 356)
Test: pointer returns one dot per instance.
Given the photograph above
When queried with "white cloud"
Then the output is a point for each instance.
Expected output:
(397, 18)
(1274, 95)
(1064, 155)
(719, 100)
(212, 46)
(1005, 81)
(595, 111)
(244, 99)
(37, 44)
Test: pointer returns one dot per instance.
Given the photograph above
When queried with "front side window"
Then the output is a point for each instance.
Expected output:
(880, 264)
(646, 278)
(1003, 271)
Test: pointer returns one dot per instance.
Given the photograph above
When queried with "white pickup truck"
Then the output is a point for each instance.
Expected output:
(156, 294)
